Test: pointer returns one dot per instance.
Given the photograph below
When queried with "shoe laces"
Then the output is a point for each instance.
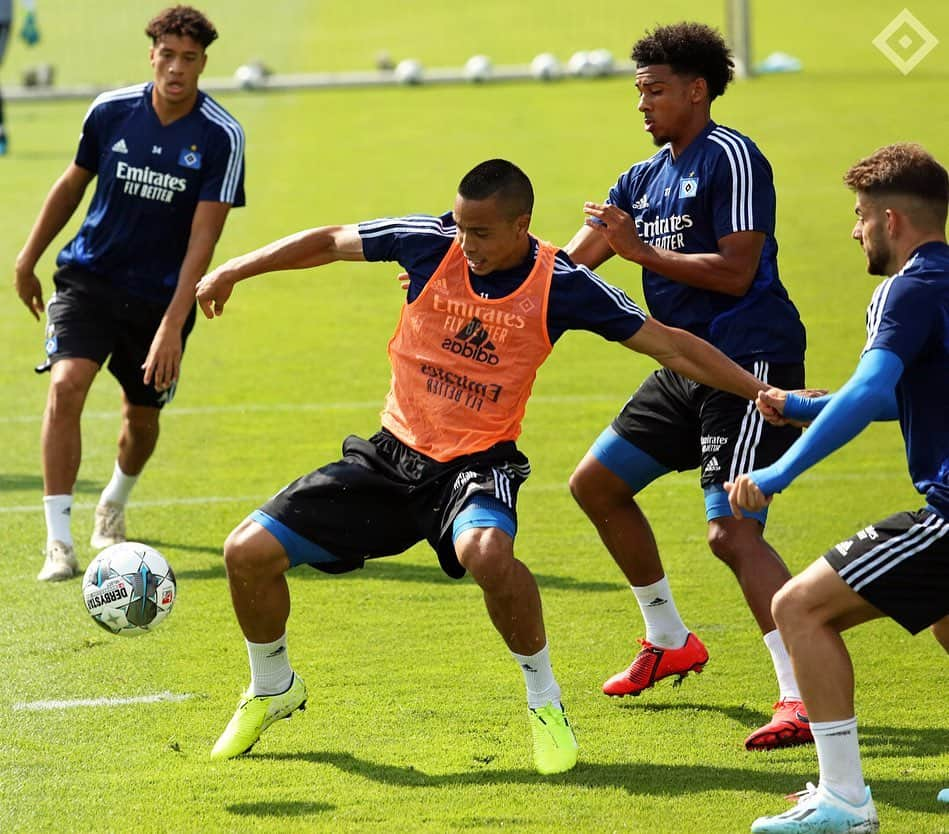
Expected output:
(799, 796)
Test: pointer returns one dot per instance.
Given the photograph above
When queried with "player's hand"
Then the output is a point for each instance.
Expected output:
(30, 290)
(743, 494)
(617, 227)
(771, 404)
(403, 279)
(163, 362)
(212, 292)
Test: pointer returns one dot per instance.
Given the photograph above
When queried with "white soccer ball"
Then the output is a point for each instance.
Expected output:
(602, 62)
(580, 65)
(129, 588)
(409, 71)
(546, 67)
(250, 76)
(478, 68)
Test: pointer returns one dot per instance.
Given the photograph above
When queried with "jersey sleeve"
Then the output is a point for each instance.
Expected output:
(223, 166)
(742, 190)
(87, 154)
(581, 300)
(901, 317)
(621, 193)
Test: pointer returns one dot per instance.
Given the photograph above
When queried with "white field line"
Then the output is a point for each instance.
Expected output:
(102, 702)
(259, 408)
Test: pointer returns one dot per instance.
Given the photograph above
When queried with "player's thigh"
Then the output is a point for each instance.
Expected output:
(735, 438)
(79, 321)
(137, 324)
(661, 420)
(899, 565)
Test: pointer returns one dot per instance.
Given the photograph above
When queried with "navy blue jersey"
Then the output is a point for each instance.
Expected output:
(579, 299)
(150, 180)
(720, 184)
(909, 315)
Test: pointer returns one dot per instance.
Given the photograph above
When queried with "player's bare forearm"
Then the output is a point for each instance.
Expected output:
(694, 358)
(705, 271)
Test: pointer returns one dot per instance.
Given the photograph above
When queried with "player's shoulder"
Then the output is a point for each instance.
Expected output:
(929, 263)
(427, 225)
(574, 278)
(723, 142)
(119, 100)
(646, 166)
(219, 118)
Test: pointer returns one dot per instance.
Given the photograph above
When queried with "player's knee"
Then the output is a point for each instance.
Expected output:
(725, 542)
(789, 606)
(595, 497)
(487, 554)
(244, 558)
(66, 396)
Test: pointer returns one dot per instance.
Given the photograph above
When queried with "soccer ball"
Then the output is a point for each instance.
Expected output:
(580, 65)
(546, 67)
(602, 61)
(251, 76)
(409, 71)
(478, 68)
(129, 588)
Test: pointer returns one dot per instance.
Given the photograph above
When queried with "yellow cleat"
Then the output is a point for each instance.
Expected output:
(555, 746)
(254, 715)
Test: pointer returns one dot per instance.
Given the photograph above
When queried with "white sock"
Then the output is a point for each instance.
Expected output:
(664, 626)
(58, 510)
(270, 672)
(542, 687)
(118, 489)
(787, 685)
(838, 754)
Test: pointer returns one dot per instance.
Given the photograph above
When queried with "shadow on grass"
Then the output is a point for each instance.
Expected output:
(640, 778)
(388, 568)
(876, 741)
(19, 481)
(279, 809)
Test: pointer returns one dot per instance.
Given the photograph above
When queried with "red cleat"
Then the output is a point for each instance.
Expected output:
(654, 663)
(789, 727)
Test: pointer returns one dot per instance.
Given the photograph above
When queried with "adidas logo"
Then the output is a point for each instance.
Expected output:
(712, 465)
(277, 651)
(120, 147)
(656, 602)
(473, 342)
(527, 667)
(844, 547)
(641, 203)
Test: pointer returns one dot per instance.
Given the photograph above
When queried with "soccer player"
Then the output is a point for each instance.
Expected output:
(698, 217)
(170, 164)
(898, 567)
(486, 302)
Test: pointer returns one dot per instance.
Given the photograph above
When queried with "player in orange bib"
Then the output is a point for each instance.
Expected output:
(486, 302)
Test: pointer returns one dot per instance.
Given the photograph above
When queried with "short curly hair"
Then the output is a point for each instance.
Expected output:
(903, 169)
(183, 21)
(690, 49)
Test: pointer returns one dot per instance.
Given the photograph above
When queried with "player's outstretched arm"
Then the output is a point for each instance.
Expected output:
(866, 396)
(694, 358)
(60, 204)
(303, 250)
(588, 248)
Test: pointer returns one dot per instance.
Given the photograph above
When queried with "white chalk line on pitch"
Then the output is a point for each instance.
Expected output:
(258, 408)
(159, 697)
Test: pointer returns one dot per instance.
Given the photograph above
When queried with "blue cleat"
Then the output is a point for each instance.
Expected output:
(821, 811)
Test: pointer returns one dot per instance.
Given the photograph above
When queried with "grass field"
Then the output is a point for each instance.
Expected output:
(416, 720)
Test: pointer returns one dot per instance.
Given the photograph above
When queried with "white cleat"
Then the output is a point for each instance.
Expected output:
(60, 563)
(109, 525)
(820, 811)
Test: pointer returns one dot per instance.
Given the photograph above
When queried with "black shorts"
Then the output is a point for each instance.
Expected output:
(87, 319)
(901, 566)
(4, 37)
(383, 497)
(683, 424)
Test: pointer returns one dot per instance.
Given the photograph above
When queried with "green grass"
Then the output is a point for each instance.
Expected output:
(416, 718)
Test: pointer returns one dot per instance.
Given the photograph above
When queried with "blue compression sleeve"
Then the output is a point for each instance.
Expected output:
(804, 409)
(867, 395)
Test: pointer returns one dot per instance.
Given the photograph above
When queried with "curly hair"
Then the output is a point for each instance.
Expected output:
(690, 49)
(903, 168)
(183, 21)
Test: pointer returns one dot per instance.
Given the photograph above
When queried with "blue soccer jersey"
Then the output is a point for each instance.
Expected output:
(579, 299)
(909, 316)
(150, 179)
(720, 184)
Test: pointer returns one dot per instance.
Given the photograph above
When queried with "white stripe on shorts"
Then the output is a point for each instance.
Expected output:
(749, 435)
